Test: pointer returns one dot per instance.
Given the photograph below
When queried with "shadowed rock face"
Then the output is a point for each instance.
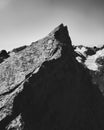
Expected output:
(59, 95)
(19, 67)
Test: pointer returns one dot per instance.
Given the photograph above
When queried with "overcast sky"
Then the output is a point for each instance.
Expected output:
(24, 21)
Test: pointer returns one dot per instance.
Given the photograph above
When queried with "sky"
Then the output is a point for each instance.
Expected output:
(25, 21)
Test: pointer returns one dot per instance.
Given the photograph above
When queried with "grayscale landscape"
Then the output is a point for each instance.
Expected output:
(51, 65)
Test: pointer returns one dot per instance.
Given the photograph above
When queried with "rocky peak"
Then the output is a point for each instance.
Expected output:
(43, 87)
(25, 61)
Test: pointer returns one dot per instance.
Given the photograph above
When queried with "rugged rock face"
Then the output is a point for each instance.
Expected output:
(93, 59)
(46, 88)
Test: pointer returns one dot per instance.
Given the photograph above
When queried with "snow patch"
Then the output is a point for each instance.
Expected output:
(81, 50)
(91, 60)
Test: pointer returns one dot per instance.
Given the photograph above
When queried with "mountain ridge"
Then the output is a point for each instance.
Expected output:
(52, 89)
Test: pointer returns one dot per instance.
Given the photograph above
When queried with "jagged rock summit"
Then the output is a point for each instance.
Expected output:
(44, 87)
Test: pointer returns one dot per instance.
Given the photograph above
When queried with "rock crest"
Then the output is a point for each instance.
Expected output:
(44, 87)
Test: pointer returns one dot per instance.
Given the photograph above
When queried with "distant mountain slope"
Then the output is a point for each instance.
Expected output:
(93, 59)
(44, 87)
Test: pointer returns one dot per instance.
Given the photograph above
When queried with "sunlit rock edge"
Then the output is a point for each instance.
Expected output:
(19, 66)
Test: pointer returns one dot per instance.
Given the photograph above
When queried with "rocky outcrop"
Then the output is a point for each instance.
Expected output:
(16, 69)
(93, 59)
(46, 88)
(3, 55)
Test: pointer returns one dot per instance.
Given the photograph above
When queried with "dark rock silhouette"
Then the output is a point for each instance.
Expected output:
(90, 51)
(3, 55)
(60, 96)
(18, 49)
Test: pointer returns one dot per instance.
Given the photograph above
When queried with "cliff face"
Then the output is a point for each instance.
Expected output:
(50, 89)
